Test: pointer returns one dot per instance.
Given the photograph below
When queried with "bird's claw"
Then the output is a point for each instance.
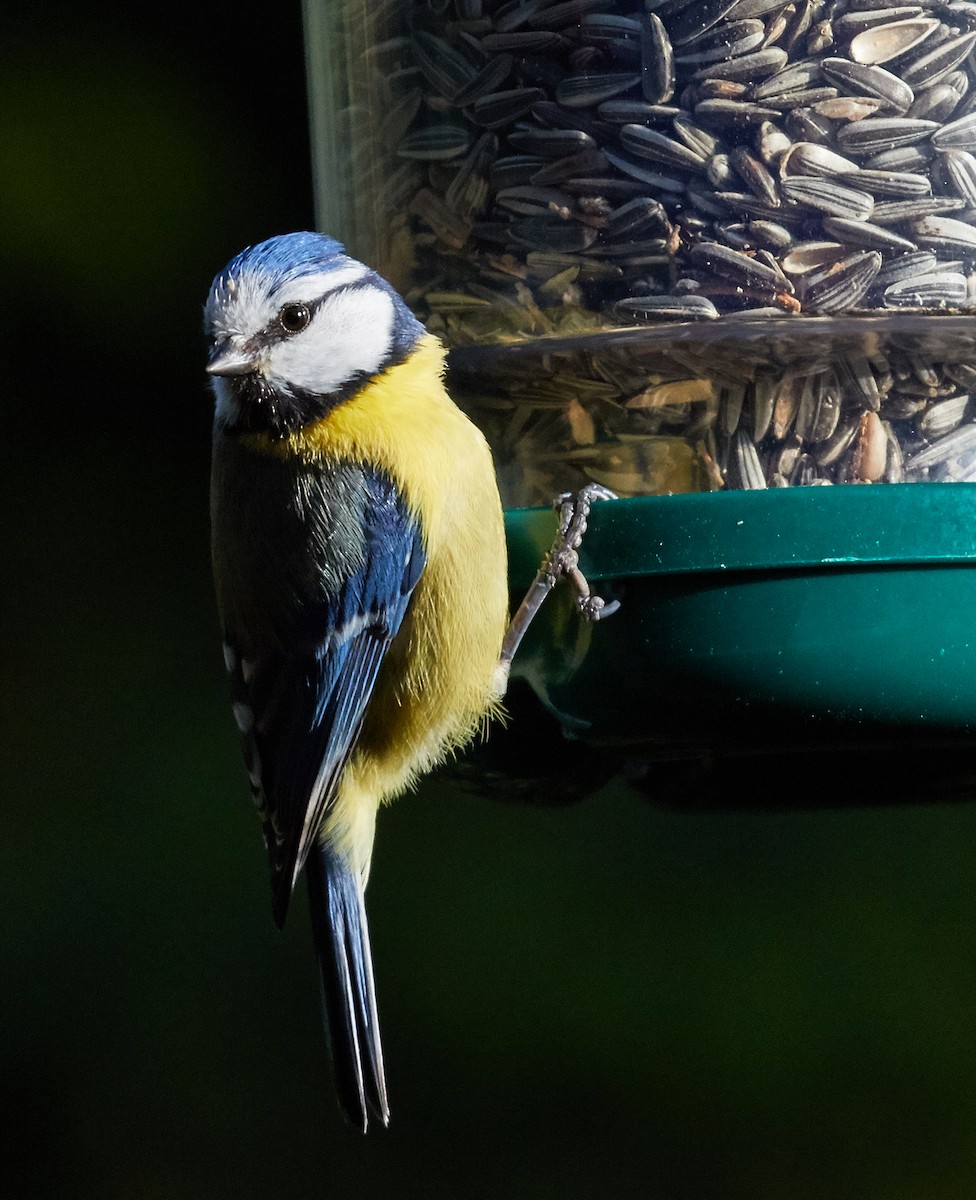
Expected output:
(562, 559)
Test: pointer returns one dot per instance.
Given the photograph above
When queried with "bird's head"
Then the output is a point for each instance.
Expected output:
(296, 327)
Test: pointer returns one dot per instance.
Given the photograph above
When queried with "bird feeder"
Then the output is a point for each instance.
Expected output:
(718, 257)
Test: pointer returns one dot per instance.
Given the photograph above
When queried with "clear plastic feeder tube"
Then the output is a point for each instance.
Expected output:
(732, 241)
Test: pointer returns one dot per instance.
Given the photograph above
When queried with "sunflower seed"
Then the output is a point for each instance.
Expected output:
(435, 143)
(946, 235)
(538, 233)
(866, 234)
(702, 141)
(550, 143)
(935, 103)
(651, 252)
(920, 262)
(521, 42)
(848, 108)
(733, 112)
(664, 183)
(747, 67)
(584, 91)
(870, 80)
(637, 214)
(944, 289)
(648, 143)
(757, 8)
(731, 40)
(839, 287)
(745, 202)
(957, 135)
(770, 235)
(771, 142)
(906, 159)
(739, 268)
(856, 377)
(754, 174)
(853, 23)
(695, 18)
(904, 184)
(882, 133)
(885, 42)
(810, 158)
(820, 406)
(532, 200)
(804, 124)
(832, 449)
(731, 402)
(571, 167)
(719, 171)
(745, 468)
(828, 196)
(669, 308)
(501, 108)
(446, 69)
(553, 16)
(936, 64)
(762, 396)
(600, 25)
(942, 417)
(960, 170)
(795, 78)
(515, 14)
(734, 234)
(628, 110)
(514, 170)
(960, 441)
(811, 256)
(715, 89)
(962, 373)
(467, 192)
(489, 79)
(545, 263)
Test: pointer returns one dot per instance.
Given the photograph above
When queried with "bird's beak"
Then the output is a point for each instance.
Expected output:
(230, 358)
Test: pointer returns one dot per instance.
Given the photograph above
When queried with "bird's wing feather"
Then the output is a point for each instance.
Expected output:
(308, 706)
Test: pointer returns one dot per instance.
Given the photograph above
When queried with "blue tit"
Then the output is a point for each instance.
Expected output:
(360, 571)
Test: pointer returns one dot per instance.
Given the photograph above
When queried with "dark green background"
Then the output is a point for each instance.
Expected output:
(609, 999)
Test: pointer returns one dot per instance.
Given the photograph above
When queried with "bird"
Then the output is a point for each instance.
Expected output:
(359, 564)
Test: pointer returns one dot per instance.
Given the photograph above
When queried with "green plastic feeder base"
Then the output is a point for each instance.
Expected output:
(783, 622)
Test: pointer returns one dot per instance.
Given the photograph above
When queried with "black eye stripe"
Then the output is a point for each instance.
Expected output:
(311, 306)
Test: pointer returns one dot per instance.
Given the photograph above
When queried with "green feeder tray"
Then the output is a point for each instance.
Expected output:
(787, 624)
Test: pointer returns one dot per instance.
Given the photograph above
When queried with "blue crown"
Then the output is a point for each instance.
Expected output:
(287, 256)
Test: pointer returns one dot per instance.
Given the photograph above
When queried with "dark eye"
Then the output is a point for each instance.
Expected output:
(294, 317)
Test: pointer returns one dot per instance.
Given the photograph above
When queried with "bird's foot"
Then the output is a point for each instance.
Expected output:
(563, 556)
(562, 559)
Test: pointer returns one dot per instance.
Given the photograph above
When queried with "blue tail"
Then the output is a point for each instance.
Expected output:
(342, 945)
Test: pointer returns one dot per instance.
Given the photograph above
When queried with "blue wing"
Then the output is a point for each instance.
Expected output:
(308, 704)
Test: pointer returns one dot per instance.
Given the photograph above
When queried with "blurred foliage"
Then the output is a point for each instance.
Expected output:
(602, 998)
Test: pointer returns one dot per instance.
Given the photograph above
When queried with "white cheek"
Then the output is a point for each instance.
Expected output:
(350, 335)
